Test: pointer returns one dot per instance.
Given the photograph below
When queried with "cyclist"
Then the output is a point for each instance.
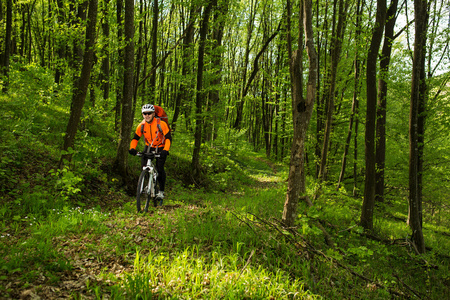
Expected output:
(158, 137)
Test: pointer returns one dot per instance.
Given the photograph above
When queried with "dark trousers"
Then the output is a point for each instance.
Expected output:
(159, 164)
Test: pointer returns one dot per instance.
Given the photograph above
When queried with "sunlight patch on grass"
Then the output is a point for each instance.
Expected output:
(214, 276)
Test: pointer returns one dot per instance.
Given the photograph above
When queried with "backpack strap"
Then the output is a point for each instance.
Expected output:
(142, 132)
(158, 124)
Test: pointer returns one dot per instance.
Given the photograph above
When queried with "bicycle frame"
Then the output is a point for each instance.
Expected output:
(150, 189)
(147, 190)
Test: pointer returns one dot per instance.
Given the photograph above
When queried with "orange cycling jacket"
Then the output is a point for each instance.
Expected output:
(153, 136)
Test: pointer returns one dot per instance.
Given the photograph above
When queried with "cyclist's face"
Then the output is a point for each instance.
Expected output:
(148, 116)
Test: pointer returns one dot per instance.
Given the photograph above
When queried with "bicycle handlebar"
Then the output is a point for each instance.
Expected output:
(148, 155)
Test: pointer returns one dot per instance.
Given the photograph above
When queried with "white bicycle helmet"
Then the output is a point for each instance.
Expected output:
(148, 108)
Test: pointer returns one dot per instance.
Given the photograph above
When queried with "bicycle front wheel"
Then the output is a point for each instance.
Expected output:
(142, 196)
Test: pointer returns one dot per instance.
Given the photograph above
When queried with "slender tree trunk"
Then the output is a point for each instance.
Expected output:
(237, 124)
(127, 101)
(139, 55)
(219, 21)
(371, 88)
(302, 111)
(82, 84)
(250, 27)
(60, 44)
(356, 92)
(336, 46)
(199, 100)
(352, 120)
(418, 92)
(77, 50)
(105, 69)
(322, 47)
(183, 91)
(6, 53)
(382, 103)
(154, 48)
(119, 65)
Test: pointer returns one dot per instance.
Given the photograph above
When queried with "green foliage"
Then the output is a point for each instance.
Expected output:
(75, 229)
(66, 182)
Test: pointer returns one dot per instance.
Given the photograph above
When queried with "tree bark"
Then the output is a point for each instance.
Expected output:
(418, 92)
(139, 55)
(77, 50)
(127, 101)
(336, 46)
(82, 84)
(187, 47)
(382, 103)
(60, 44)
(250, 27)
(105, 69)
(6, 53)
(356, 91)
(321, 92)
(200, 94)
(371, 87)
(302, 111)
(219, 19)
(154, 48)
(120, 63)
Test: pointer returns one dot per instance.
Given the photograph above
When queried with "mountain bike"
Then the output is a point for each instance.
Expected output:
(147, 187)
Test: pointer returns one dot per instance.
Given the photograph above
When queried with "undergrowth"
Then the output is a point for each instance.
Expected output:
(74, 233)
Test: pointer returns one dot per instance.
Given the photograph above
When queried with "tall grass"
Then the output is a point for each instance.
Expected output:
(215, 275)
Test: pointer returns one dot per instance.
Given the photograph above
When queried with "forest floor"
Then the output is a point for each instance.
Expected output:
(75, 234)
(86, 263)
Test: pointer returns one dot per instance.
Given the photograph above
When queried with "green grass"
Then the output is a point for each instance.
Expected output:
(74, 233)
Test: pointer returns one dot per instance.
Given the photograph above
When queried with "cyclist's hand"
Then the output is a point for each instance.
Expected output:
(132, 151)
(164, 153)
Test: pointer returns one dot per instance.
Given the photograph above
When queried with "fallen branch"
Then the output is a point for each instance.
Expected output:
(314, 251)
(420, 295)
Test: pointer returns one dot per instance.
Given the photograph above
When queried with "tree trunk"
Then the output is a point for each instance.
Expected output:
(82, 84)
(217, 34)
(321, 96)
(336, 46)
(154, 46)
(60, 44)
(77, 50)
(371, 88)
(418, 92)
(105, 69)
(381, 107)
(139, 55)
(250, 27)
(302, 111)
(200, 92)
(6, 53)
(187, 49)
(120, 63)
(127, 101)
(356, 91)
(237, 124)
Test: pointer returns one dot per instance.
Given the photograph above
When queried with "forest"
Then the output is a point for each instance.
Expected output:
(309, 158)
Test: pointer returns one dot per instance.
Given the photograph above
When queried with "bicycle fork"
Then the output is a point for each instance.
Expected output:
(150, 189)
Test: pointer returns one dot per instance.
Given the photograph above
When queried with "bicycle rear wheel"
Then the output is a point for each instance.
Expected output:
(141, 194)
